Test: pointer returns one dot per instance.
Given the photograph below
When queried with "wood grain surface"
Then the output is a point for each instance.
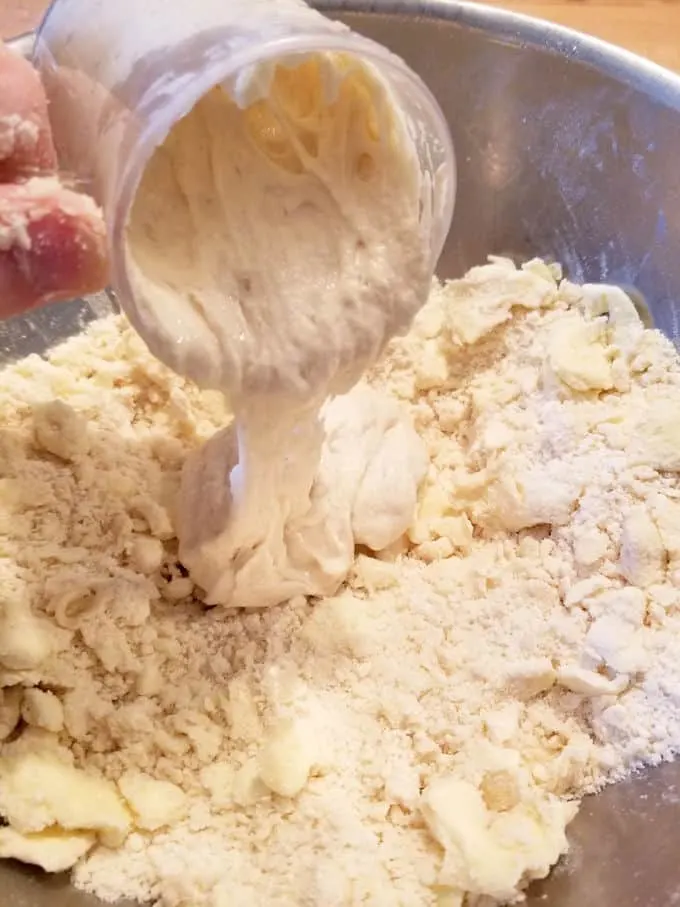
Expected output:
(648, 27)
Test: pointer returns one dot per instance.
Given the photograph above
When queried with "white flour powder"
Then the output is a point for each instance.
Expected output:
(420, 739)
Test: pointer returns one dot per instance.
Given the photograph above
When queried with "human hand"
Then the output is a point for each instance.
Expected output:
(52, 239)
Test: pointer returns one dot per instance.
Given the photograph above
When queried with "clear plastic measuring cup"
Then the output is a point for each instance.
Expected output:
(121, 73)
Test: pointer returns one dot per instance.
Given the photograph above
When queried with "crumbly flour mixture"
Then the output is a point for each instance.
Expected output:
(422, 737)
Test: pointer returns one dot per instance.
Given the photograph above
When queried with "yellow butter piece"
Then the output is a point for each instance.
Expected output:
(38, 791)
(53, 850)
(155, 804)
(492, 853)
(286, 760)
(579, 356)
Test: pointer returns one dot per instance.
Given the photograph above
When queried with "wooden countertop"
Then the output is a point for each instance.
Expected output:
(648, 27)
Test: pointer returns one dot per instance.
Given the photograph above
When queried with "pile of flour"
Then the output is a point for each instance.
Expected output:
(423, 736)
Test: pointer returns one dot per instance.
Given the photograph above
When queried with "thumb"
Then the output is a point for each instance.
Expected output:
(52, 245)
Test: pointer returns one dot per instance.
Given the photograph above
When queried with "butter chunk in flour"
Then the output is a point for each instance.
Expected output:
(422, 734)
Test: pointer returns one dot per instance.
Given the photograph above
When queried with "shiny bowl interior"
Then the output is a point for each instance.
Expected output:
(567, 149)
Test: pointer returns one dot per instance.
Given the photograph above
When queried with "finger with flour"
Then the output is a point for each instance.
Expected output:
(52, 245)
(26, 147)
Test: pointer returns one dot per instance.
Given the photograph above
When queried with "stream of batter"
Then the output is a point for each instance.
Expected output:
(284, 242)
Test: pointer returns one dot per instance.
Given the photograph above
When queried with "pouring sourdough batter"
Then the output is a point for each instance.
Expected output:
(283, 244)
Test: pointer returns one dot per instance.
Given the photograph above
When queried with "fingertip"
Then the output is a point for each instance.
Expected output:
(67, 256)
(26, 145)
(52, 246)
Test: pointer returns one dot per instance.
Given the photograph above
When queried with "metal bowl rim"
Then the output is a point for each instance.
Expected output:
(512, 27)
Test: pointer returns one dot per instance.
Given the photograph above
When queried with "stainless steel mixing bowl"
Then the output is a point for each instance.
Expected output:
(567, 148)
